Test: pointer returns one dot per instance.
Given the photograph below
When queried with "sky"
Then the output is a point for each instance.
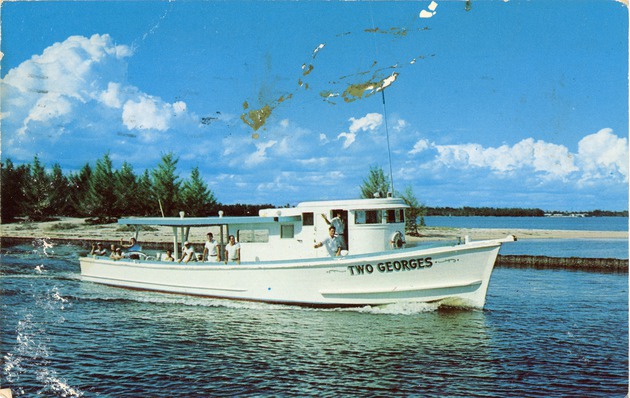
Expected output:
(481, 103)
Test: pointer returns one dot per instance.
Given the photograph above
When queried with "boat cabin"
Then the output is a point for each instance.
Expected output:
(369, 226)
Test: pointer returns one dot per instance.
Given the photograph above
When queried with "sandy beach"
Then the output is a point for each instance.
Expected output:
(70, 229)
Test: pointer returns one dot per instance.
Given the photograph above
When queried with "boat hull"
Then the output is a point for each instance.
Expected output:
(456, 274)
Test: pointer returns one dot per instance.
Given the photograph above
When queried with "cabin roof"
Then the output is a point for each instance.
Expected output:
(348, 204)
(203, 221)
(289, 214)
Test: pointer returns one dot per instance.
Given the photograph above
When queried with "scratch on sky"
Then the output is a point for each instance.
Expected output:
(354, 86)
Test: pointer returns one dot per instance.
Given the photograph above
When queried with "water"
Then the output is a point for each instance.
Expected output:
(586, 248)
(543, 333)
(552, 223)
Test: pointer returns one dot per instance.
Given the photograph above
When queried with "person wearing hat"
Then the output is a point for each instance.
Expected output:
(188, 253)
(98, 250)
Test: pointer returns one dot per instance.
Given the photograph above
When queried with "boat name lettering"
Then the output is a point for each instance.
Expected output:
(391, 266)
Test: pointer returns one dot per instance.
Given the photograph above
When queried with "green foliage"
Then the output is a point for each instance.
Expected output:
(100, 198)
(104, 194)
(37, 204)
(147, 205)
(78, 184)
(127, 201)
(375, 184)
(131, 228)
(11, 193)
(59, 192)
(196, 199)
(243, 209)
(60, 227)
(414, 215)
(166, 184)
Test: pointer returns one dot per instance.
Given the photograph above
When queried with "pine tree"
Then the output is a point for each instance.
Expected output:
(100, 198)
(37, 204)
(11, 193)
(196, 198)
(147, 205)
(375, 184)
(59, 192)
(79, 184)
(414, 215)
(166, 185)
(125, 189)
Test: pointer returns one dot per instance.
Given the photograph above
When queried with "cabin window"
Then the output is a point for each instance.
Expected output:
(395, 216)
(308, 219)
(368, 217)
(253, 235)
(286, 231)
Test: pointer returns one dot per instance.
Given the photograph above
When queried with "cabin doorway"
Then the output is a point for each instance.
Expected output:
(343, 216)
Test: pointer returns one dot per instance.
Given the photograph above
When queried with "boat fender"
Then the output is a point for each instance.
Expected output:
(397, 241)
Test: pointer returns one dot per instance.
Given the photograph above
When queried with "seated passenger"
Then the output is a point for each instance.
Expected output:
(98, 250)
(116, 254)
(188, 253)
(168, 256)
(132, 246)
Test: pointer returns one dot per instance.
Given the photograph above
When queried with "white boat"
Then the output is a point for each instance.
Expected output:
(280, 263)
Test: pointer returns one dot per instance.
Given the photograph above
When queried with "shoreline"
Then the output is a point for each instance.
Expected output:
(76, 229)
(66, 230)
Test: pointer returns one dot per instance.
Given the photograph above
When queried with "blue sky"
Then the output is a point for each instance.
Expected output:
(501, 103)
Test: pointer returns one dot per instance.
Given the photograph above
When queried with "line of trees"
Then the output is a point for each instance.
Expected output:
(516, 212)
(103, 193)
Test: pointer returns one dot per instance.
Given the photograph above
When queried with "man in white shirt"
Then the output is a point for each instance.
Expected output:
(339, 225)
(233, 250)
(188, 253)
(332, 243)
(211, 249)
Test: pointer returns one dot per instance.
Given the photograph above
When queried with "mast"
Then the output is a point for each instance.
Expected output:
(389, 152)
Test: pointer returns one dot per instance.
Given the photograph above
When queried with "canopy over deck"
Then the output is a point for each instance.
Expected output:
(202, 221)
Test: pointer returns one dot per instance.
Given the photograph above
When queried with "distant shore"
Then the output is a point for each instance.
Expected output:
(76, 229)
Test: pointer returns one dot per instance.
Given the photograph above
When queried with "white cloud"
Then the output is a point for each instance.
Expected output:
(419, 146)
(349, 138)
(603, 154)
(369, 122)
(600, 156)
(400, 125)
(260, 155)
(111, 96)
(551, 160)
(49, 106)
(74, 92)
(146, 114)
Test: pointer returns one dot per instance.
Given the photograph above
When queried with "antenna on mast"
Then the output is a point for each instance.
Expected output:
(389, 152)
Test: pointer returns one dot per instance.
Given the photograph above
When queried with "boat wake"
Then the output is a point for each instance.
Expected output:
(31, 356)
(401, 308)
